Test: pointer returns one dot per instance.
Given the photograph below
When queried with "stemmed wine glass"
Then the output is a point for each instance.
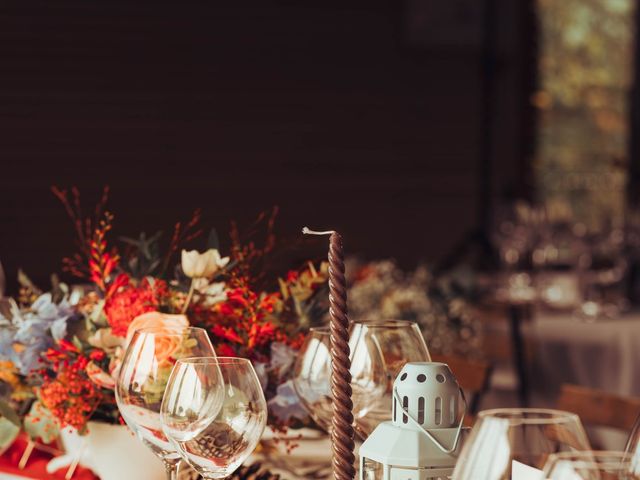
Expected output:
(525, 435)
(633, 449)
(395, 342)
(588, 465)
(312, 377)
(145, 369)
(379, 350)
(214, 413)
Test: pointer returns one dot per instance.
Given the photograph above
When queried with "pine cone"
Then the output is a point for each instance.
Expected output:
(251, 472)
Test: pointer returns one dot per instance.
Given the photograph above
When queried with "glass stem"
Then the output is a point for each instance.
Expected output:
(172, 471)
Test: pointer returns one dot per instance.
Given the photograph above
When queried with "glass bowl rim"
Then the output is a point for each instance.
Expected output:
(326, 329)
(617, 454)
(168, 330)
(215, 360)
(384, 323)
(545, 416)
(616, 459)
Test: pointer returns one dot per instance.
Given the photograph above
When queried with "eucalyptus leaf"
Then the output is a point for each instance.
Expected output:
(9, 413)
(133, 263)
(213, 241)
(154, 265)
(26, 282)
(58, 289)
(77, 343)
(97, 314)
(8, 433)
(129, 241)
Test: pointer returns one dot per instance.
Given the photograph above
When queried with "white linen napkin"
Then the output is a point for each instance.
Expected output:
(520, 471)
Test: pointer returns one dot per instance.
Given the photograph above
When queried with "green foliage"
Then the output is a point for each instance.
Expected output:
(154, 387)
(8, 433)
(213, 241)
(9, 413)
(143, 256)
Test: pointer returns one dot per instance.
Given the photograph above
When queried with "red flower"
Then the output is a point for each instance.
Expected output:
(268, 302)
(225, 309)
(121, 281)
(226, 333)
(261, 334)
(67, 346)
(292, 275)
(241, 297)
(53, 355)
(130, 301)
(97, 355)
(225, 350)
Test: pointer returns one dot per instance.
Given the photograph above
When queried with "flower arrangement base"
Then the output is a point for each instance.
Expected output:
(111, 451)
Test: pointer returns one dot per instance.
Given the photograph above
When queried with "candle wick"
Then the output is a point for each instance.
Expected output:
(307, 231)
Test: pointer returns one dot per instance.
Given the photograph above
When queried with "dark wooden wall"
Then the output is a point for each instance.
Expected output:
(318, 107)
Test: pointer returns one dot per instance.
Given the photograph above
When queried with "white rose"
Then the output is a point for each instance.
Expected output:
(202, 265)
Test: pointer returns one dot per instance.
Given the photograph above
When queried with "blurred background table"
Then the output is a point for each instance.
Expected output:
(602, 354)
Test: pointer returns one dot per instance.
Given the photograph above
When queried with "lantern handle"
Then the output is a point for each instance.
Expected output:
(426, 432)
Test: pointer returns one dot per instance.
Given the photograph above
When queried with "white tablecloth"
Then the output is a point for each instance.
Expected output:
(604, 355)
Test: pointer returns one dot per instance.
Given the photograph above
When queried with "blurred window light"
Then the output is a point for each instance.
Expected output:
(585, 73)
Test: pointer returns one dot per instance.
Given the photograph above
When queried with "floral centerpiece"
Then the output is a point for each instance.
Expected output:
(61, 349)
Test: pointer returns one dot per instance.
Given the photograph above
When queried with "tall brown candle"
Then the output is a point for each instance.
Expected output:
(342, 433)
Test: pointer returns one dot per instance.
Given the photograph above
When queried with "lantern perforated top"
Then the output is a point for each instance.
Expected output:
(429, 392)
(421, 442)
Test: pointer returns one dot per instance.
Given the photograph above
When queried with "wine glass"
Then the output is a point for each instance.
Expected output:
(395, 342)
(525, 435)
(633, 448)
(312, 377)
(144, 373)
(214, 413)
(588, 465)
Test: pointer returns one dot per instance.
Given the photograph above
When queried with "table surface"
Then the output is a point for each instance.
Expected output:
(603, 354)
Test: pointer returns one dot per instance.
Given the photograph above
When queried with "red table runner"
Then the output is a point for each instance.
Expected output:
(36, 467)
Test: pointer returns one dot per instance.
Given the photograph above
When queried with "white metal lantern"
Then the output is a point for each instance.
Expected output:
(422, 440)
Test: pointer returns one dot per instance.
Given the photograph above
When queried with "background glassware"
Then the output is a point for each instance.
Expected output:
(312, 377)
(395, 342)
(526, 435)
(588, 465)
(223, 424)
(143, 377)
(633, 448)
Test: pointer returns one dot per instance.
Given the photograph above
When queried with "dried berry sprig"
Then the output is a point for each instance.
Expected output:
(84, 226)
(249, 256)
(182, 234)
(102, 261)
